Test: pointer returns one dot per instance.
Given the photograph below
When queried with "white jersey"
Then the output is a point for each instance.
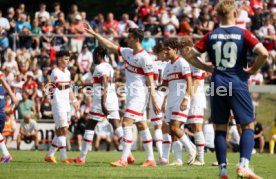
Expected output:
(175, 75)
(199, 99)
(61, 99)
(104, 69)
(84, 60)
(256, 79)
(138, 66)
(158, 71)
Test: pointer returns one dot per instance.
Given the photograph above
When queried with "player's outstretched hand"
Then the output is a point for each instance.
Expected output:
(88, 29)
(15, 100)
(156, 108)
(105, 111)
(250, 70)
(184, 104)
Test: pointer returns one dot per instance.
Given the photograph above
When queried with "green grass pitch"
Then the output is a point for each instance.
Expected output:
(30, 164)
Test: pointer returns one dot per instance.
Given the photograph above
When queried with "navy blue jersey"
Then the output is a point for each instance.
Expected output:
(227, 48)
(2, 99)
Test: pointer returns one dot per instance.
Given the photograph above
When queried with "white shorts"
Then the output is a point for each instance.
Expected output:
(174, 113)
(99, 116)
(61, 118)
(196, 115)
(156, 119)
(135, 110)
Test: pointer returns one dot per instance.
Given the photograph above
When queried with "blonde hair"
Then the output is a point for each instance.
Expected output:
(224, 7)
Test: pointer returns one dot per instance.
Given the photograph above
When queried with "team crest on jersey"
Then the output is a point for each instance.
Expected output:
(174, 68)
(136, 61)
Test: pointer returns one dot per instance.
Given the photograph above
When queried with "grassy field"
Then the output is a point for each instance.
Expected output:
(30, 164)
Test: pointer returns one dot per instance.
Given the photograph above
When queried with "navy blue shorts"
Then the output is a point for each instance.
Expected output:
(2, 122)
(240, 103)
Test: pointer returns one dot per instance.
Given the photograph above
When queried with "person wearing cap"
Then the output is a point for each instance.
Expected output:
(30, 86)
(77, 30)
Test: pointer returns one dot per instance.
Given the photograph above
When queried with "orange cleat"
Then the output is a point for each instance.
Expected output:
(79, 161)
(149, 163)
(247, 173)
(67, 161)
(130, 159)
(119, 163)
(50, 159)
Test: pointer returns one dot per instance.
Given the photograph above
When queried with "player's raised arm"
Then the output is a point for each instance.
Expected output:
(7, 87)
(106, 43)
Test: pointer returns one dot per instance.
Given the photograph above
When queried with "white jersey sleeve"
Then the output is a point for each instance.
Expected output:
(125, 52)
(185, 68)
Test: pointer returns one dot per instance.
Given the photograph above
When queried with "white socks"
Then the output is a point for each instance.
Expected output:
(3, 147)
(187, 143)
(244, 163)
(159, 140)
(147, 143)
(128, 137)
(54, 146)
(120, 134)
(62, 147)
(200, 142)
(167, 140)
(177, 148)
(86, 143)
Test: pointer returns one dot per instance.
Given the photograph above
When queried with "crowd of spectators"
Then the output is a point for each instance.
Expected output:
(29, 42)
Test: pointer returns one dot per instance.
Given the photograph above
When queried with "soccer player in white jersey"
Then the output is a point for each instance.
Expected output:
(62, 97)
(161, 128)
(105, 102)
(139, 76)
(177, 76)
(198, 103)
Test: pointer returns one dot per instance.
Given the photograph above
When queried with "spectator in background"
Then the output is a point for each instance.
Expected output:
(4, 41)
(209, 135)
(170, 23)
(98, 22)
(148, 42)
(144, 10)
(85, 60)
(77, 29)
(110, 26)
(23, 59)
(21, 10)
(22, 23)
(103, 131)
(42, 12)
(206, 25)
(259, 137)
(153, 26)
(24, 39)
(83, 17)
(12, 21)
(257, 20)
(59, 42)
(10, 124)
(271, 77)
(256, 79)
(54, 15)
(17, 86)
(4, 23)
(36, 30)
(73, 14)
(272, 138)
(185, 27)
(26, 106)
(46, 108)
(11, 63)
(28, 132)
(61, 22)
(30, 86)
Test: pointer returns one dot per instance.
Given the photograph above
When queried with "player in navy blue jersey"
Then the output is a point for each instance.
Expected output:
(4, 90)
(227, 47)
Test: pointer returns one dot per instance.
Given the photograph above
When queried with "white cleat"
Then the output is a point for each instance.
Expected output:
(192, 157)
(198, 163)
(246, 173)
(176, 163)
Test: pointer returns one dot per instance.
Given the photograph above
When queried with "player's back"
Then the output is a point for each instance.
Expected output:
(227, 48)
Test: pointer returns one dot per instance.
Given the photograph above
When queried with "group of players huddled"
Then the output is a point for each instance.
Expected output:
(173, 87)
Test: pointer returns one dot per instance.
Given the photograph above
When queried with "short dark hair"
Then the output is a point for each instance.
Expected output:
(172, 43)
(101, 51)
(137, 33)
(63, 53)
(158, 47)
